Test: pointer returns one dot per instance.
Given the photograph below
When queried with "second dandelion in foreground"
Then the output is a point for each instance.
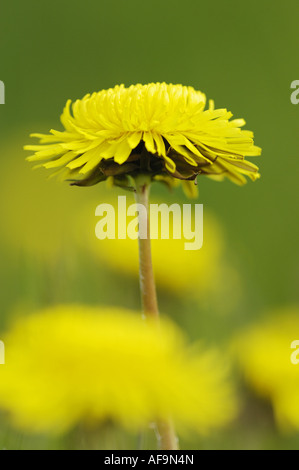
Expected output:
(76, 364)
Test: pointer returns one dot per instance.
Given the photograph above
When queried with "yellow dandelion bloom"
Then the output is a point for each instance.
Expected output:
(264, 356)
(77, 364)
(160, 129)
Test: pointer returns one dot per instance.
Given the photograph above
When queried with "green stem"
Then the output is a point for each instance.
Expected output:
(165, 432)
(146, 274)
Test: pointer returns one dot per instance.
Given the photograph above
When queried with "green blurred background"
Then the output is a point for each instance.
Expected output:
(241, 54)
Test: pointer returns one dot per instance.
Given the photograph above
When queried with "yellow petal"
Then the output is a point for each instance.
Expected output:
(134, 139)
(122, 152)
(149, 142)
(60, 161)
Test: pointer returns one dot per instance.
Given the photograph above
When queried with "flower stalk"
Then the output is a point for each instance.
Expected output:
(167, 439)
(146, 273)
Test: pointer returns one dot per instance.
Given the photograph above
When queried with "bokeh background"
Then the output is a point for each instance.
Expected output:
(244, 56)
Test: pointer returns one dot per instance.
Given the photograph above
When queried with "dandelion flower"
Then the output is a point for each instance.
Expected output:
(163, 130)
(76, 364)
(264, 356)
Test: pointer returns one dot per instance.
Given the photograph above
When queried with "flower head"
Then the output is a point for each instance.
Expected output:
(75, 364)
(159, 129)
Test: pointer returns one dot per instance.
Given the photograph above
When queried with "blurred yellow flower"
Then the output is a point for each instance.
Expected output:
(163, 130)
(176, 269)
(264, 356)
(74, 364)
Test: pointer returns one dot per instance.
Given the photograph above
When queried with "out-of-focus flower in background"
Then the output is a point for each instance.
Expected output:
(263, 353)
(182, 272)
(76, 364)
